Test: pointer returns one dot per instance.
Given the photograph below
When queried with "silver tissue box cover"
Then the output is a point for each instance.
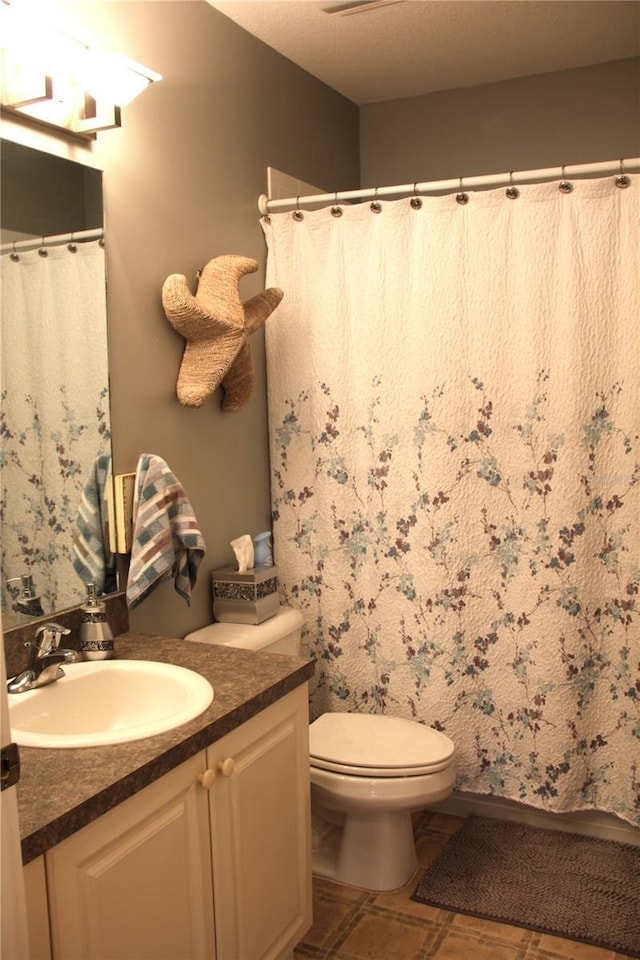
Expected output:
(248, 597)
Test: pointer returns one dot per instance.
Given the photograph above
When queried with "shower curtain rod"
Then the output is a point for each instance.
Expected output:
(513, 178)
(81, 236)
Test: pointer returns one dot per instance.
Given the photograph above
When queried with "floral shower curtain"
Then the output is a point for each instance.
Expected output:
(454, 415)
(54, 414)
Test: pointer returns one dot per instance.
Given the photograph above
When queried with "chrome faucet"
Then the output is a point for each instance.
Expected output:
(45, 657)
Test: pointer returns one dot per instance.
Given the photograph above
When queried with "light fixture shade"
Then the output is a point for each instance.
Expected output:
(57, 80)
(107, 76)
(96, 117)
(21, 85)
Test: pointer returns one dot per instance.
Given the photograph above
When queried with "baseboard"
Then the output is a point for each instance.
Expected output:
(586, 822)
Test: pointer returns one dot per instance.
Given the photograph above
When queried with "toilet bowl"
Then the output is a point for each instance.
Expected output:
(368, 773)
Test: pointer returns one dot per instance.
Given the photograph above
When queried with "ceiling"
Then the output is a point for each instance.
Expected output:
(387, 49)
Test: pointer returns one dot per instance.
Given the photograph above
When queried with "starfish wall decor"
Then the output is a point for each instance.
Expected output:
(216, 325)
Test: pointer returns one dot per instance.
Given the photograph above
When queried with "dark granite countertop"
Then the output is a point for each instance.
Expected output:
(62, 790)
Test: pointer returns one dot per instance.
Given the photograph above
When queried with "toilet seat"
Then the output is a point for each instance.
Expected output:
(369, 745)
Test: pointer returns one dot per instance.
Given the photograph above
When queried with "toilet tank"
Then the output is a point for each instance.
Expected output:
(281, 633)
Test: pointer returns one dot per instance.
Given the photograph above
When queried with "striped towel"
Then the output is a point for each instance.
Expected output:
(167, 543)
(92, 559)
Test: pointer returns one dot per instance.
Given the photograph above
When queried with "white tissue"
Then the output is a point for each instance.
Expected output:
(243, 549)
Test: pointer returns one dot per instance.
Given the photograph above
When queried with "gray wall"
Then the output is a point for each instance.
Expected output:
(181, 183)
(572, 116)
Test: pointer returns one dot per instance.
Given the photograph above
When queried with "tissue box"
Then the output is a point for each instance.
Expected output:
(249, 597)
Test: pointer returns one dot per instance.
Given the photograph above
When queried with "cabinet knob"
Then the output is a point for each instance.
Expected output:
(207, 778)
(226, 767)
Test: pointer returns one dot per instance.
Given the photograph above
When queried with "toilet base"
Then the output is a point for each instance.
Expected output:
(371, 852)
(362, 832)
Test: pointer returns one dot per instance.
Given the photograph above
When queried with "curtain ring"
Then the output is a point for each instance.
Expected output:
(336, 211)
(512, 191)
(71, 246)
(461, 196)
(14, 254)
(43, 252)
(416, 202)
(297, 213)
(622, 180)
(564, 186)
(375, 206)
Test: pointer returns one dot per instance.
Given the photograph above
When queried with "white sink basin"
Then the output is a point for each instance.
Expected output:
(108, 701)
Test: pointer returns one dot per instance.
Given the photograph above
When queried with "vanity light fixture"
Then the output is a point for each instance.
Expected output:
(57, 80)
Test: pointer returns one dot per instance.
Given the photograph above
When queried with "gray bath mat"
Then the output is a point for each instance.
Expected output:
(558, 883)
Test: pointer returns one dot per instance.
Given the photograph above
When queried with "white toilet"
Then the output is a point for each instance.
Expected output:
(368, 773)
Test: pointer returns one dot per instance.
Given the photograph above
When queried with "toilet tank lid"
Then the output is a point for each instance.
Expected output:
(373, 740)
(249, 636)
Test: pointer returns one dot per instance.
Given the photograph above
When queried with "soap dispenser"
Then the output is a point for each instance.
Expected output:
(27, 602)
(96, 639)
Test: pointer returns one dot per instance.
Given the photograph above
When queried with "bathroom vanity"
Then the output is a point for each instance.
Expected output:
(190, 844)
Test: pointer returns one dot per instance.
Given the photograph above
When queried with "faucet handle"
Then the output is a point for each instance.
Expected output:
(48, 638)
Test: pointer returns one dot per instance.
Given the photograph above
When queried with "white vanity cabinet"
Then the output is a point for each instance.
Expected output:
(260, 833)
(136, 883)
(210, 862)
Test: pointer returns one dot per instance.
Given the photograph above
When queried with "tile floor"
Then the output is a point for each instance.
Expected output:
(351, 924)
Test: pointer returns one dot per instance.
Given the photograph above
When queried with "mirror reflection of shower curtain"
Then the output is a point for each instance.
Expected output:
(454, 410)
(54, 409)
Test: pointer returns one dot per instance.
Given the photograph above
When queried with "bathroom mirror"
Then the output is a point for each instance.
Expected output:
(55, 432)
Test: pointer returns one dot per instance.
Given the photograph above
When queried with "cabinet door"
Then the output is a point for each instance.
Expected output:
(260, 833)
(136, 883)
